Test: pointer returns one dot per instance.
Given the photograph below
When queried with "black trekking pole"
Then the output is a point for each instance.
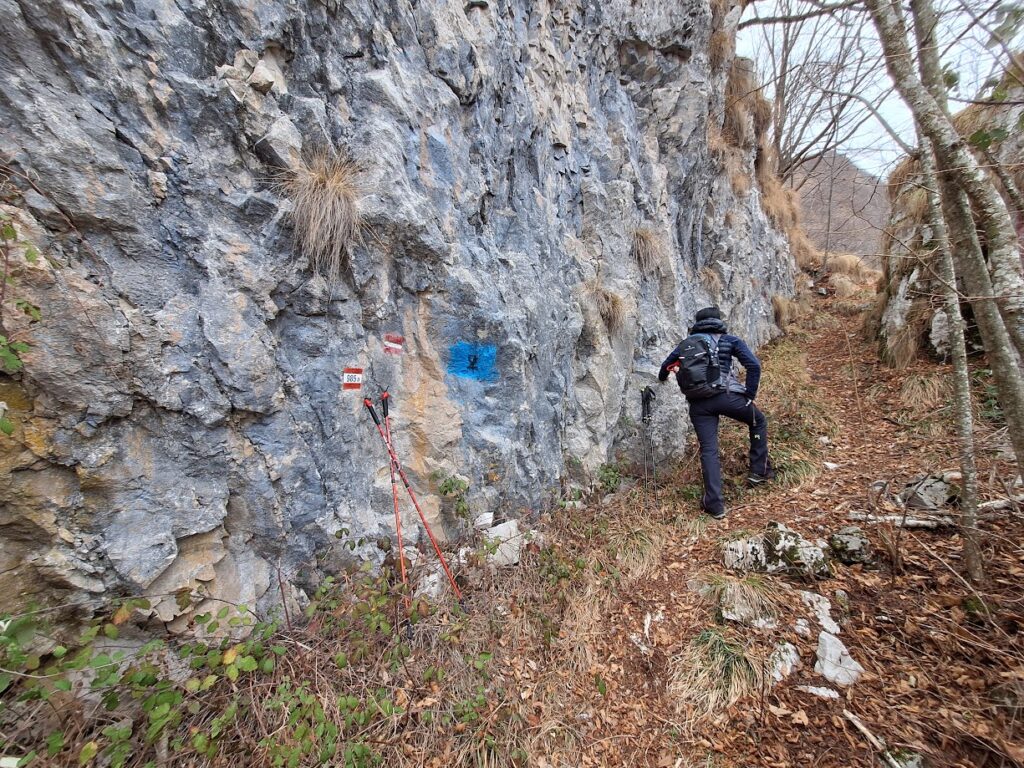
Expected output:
(647, 398)
(394, 494)
(405, 481)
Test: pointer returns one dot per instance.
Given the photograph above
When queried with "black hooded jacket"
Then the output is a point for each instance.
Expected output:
(729, 346)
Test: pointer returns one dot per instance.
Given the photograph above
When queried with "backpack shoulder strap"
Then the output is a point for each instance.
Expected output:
(712, 343)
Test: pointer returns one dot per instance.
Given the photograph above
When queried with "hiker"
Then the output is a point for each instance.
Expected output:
(704, 370)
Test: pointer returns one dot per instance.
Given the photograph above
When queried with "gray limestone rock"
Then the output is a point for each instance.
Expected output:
(850, 545)
(931, 492)
(181, 405)
(777, 549)
(783, 661)
(835, 663)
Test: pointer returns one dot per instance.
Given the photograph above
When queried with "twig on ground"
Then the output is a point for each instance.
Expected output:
(874, 741)
(903, 521)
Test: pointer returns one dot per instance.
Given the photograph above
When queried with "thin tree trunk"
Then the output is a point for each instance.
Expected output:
(956, 159)
(961, 378)
(926, 23)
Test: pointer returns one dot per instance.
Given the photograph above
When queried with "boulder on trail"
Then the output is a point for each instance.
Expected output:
(778, 549)
(850, 545)
(835, 663)
(931, 492)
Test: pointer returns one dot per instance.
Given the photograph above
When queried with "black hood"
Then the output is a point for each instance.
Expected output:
(709, 325)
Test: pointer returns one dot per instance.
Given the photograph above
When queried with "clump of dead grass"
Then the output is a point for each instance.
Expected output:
(648, 249)
(851, 265)
(610, 306)
(746, 598)
(711, 281)
(636, 547)
(923, 393)
(784, 310)
(324, 190)
(711, 673)
(843, 286)
(806, 256)
(719, 49)
(740, 89)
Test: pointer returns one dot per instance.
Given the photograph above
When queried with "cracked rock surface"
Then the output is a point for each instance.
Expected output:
(181, 420)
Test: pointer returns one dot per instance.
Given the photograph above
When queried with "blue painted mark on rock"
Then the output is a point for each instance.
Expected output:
(468, 360)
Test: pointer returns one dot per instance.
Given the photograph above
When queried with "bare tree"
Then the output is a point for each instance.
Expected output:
(962, 412)
(816, 67)
(995, 288)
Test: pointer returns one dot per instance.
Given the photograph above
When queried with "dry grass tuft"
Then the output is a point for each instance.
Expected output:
(636, 547)
(740, 89)
(785, 310)
(745, 598)
(924, 393)
(848, 264)
(851, 308)
(717, 145)
(712, 673)
(843, 286)
(581, 626)
(325, 191)
(901, 174)
(900, 349)
(720, 47)
(807, 257)
(648, 249)
(711, 281)
(761, 111)
(872, 324)
(914, 205)
(610, 306)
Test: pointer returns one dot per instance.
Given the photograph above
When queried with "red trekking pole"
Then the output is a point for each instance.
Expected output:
(394, 494)
(396, 465)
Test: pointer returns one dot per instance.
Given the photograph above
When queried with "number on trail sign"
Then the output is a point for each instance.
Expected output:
(352, 378)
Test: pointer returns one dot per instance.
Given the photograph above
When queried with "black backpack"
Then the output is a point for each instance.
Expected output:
(700, 372)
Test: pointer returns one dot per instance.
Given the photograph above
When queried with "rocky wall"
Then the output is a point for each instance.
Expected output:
(181, 420)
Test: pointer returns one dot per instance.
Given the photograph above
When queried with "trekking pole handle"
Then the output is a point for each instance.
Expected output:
(373, 414)
(384, 399)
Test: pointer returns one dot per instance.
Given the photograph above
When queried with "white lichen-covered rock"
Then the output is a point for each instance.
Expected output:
(822, 610)
(907, 759)
(507, 540)
(931, 492)
(850, 545)
(819, 691)
(835, 663)
(784, 661)
(777, 549)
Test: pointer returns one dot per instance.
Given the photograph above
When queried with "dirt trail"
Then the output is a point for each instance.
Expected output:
(931, 663)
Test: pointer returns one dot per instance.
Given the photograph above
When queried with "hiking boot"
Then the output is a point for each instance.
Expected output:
(717, 515)
(754, 480)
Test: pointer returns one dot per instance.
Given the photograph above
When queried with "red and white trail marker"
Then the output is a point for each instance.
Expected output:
(352, 378)
(393, 343)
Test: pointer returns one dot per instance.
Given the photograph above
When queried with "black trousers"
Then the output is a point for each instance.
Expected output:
(705, 415)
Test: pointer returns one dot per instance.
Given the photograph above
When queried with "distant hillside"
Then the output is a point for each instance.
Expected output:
(860, 206)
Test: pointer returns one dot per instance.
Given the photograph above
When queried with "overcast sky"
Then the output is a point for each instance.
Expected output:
(965, 53)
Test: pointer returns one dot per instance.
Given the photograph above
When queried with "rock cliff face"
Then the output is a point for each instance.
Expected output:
(180, 416)
(909, 319)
